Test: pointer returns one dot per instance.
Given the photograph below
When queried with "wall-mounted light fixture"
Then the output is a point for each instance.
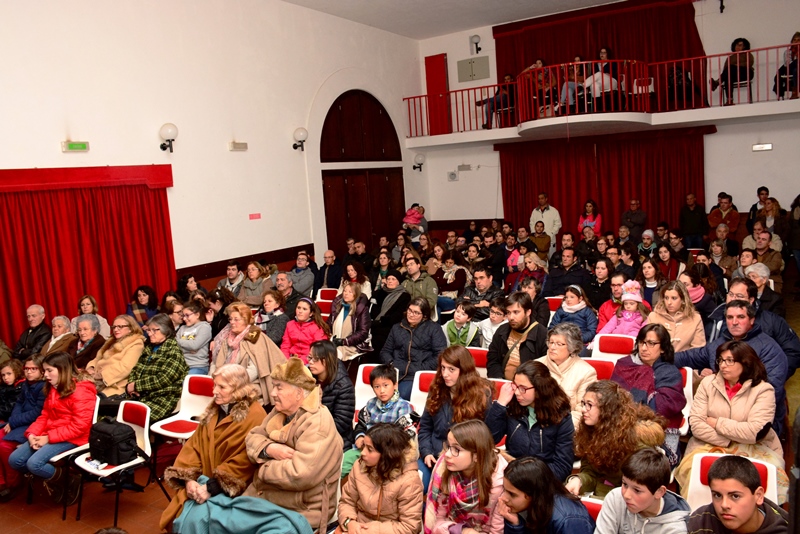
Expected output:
(419, 159)
(168, 132)
(300, 135)
(474, 40)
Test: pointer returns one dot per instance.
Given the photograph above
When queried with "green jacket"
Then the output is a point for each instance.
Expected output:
(158, 378)
(424, 287)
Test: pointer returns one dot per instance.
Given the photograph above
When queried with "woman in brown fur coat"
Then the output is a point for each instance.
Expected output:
(217, 448)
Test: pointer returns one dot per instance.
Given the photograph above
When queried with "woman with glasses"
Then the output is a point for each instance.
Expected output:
(612, 428)
(732, 413)
(564, 345)
(117, 357)
(193, 338)
(533, 413)
(174, 310)
(650, 375)
(338, 393)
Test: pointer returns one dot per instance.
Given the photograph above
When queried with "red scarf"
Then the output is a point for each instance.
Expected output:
(669, 270)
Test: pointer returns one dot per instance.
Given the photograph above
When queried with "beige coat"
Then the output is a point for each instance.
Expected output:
(401, 499)
(114, 362)
(259, 355)
(685, 333)
(307, 482)
(574, 376)
(738, 420)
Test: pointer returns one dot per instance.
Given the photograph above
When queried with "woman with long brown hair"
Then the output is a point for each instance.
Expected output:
(612, 428)
(458, 393)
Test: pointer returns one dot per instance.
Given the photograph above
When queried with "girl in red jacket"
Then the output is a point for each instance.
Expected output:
(64, 423)
(306, 328)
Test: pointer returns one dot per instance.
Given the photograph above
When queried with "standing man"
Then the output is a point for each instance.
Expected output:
(635, 219)
(419, 228)
(233, 279)
(330, 274)
(763, 195)
(693, 222)
(549, 217)
(724, 213)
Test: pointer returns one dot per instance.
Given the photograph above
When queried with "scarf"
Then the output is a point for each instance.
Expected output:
(669, 270)
(391, 297)
(219, 340)
(139, 312)
(696, 293)
(231, 286)
(345, 310)
(449, 276)
(383, 407)
(233, 341)
(460, 501)
(574, 308)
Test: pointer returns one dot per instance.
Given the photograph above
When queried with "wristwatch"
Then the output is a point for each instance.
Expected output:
(345, 523)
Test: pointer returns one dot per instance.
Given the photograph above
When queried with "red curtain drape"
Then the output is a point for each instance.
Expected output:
(59, 244)
(641, 30)
(658, 168)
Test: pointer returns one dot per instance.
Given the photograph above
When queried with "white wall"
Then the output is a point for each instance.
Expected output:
(112, 73)
(762, 22)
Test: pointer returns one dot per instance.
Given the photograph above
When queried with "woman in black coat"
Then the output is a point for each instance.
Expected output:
(388, 308)
(338, 393)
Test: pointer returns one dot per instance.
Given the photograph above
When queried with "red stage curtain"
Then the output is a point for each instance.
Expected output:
(659, 168)
(62, 243)
(641, 30)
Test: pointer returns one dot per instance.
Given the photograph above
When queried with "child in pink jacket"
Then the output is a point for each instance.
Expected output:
(631, 316)
(306, 328)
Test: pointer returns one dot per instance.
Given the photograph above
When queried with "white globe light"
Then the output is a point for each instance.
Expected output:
(168, 131)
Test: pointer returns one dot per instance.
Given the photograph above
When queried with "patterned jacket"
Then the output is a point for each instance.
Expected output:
(158, 378)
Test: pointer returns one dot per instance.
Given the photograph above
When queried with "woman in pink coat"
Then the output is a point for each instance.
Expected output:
(306, 328)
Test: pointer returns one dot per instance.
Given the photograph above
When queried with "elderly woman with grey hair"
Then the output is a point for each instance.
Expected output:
(564, 344)
(89, 339)
(768, 299)
(63, 340)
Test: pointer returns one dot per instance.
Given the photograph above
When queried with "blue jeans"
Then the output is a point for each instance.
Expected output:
(26, 460)
(444, 304)
(404, 387)
(568, 92)
(491, 104)
(426, 475)
(198, 370)
(693, 240)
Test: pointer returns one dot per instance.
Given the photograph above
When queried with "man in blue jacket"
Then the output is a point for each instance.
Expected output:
(740, 318)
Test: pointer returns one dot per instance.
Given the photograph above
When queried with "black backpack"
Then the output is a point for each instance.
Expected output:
(113, 443)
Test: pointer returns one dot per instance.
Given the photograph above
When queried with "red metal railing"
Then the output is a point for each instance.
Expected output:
(761, 75)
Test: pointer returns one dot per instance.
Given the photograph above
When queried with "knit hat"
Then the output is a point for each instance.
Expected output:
(631, 290)
(397, 274)
(649, 233)
(295, 373)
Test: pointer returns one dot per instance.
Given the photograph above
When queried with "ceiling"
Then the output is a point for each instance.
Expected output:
(422, 19)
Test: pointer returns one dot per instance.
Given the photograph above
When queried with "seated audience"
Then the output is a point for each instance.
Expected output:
(338, 393)
(733, 410)
(540, 307)
(534, 500)
(771, 259)
(599, 289)
(644, 504)
(302, 275)
(193, 338)
(651, 280)
(88, 305)
(10, 387)
(354, 274)
(702, 299)
(471, 468)
(737, 502)
(188, 285)
(650, 375)
(570, 273)
(89, 340)
(174, 310)
(533, 413)
(216, 450)
(34, 338)
(718, 252)
(768, 299)
(541, 239)
(670, 266)
(520, 340)
(388, 308)
(483, 292)
(676, 313)
(218, 302)
(233, 278)
(460, 330)
(576, 309)
(413, 344)
(612, 428)
(64, 424)
(787, 81)
(535, 268)
(284, 284)
(383, 264)
(746, 259)
(306, 328)
(711, 276)
(759, 226)
(631, 316)
(451, 278)
(350, 323)
(329, 274)
(738, 68)
(419, 283)
(143, 305)
(270, 317)
(255, 284)
(610, 307)
(63, 340)
(497, 318)
(387, 467)
(722, 233)
(157, 379)
(117, 357)
(435, 260)
(647, 248)
(24, 412)
(296, 449)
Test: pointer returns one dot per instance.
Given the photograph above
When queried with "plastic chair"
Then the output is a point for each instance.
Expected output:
(480, 356)
(612, 347)
(593, 505)
(554, 303)
(604, 368)
(198, 392)
(498, 383)
(325, 306)
(643, 86)
(688, 392)
(326, 294)
(699, 493)
(419, 389)
(137, 416)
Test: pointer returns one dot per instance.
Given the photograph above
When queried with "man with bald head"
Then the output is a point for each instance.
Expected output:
(329, 274)
(33, 339)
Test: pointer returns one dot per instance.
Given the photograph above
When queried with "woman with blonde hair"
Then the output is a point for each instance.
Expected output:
(117, 357)
(216, 451)
(255, 284)
(676, 313)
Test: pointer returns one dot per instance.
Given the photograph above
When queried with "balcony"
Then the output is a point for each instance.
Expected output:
(594, 98)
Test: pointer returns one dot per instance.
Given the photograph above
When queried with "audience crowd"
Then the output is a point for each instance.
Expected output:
(509, 445)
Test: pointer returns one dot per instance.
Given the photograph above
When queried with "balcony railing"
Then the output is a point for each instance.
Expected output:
(589, 87)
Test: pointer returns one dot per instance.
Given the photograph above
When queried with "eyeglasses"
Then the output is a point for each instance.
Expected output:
(152, 330)
(312, 359)
(187, 315)
(30, 369)
(587, 405)
(119, 327)
(453, 451)
(522, 389)
(558, 344)
(651, 344)
(737, 296)
(728, 362)
(496, 313)
(413, 312)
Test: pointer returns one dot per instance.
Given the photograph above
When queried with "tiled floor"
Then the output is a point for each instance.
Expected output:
(139, 513)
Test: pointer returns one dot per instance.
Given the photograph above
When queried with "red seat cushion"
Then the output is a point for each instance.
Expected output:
(365, 373)
(324, 306)
(594, 509)
(616, 345)
(181, 426)
(135, 413)
(554, 304)
(683, 376)
(604, 369)
(425, 381)
(479, 355)
(201, 385)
